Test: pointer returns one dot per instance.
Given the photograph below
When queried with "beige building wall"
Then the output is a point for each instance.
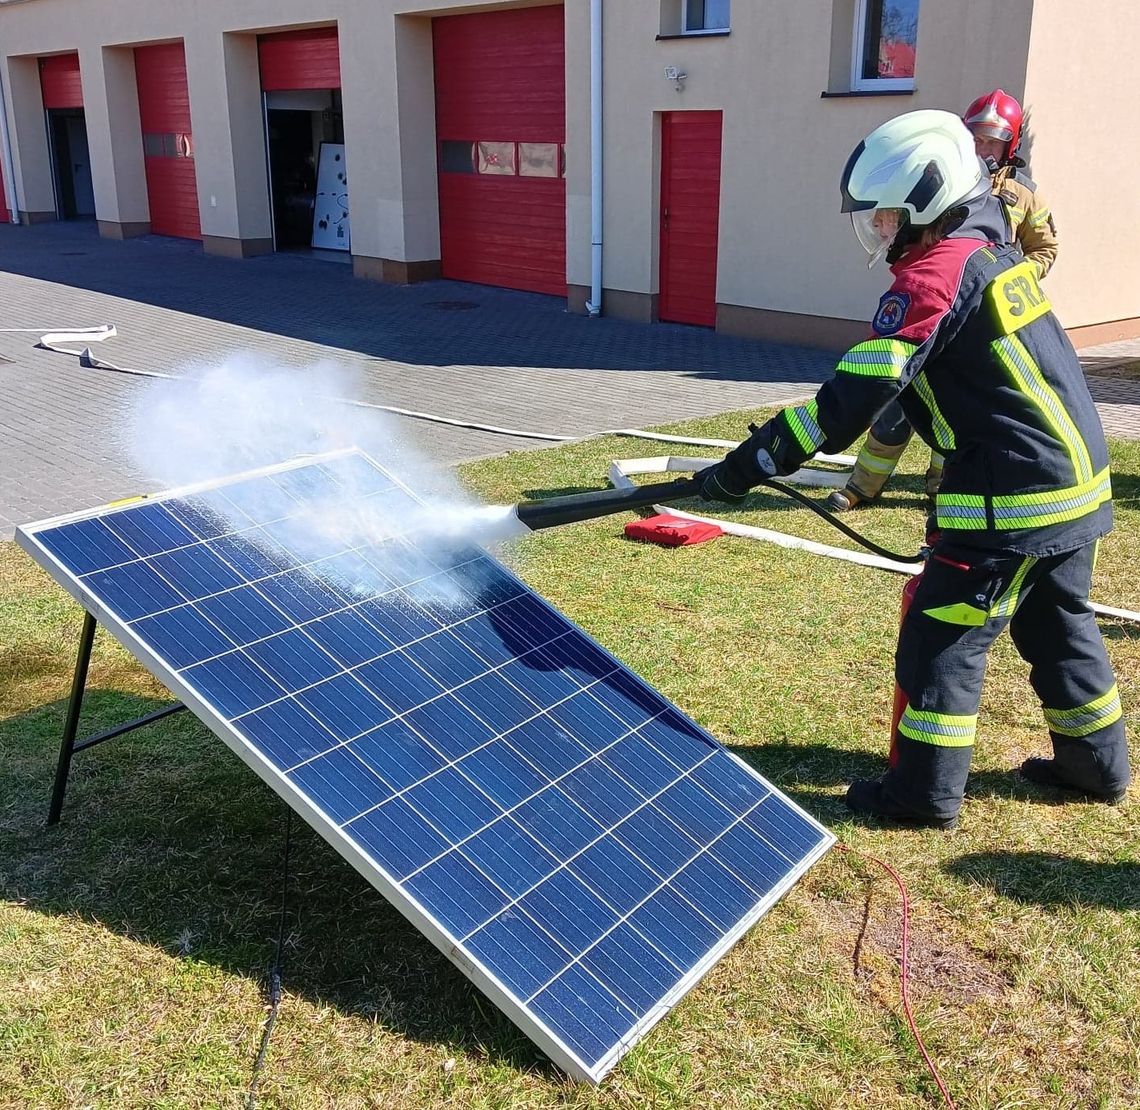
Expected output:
(114, 139)
(28, 137)
(788, 264)
(784, 250)
(1082, 97)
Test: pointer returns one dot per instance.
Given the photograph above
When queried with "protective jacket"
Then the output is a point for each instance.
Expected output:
(1030, 218)
(967, 341)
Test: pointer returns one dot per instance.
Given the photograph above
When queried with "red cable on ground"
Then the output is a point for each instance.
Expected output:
(905, 969)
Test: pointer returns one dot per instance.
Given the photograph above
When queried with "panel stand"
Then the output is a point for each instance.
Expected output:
(68, 746)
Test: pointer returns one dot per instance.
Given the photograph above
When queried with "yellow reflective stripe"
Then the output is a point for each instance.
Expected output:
(1028, 377)
(943, 433)
(1024, 510)
(960, 510)
(802, 421)
(1034, 510)
(945, 730)
(1017, 213)
(1006, 605)
(1041, 216)
(876, 465)
(971, 616)
(989, 254)
(960, 613)
(1085, 719)
(874, 461)
(876, 358)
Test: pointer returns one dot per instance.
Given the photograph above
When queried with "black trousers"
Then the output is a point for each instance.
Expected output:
(892, 426)
(964, 599)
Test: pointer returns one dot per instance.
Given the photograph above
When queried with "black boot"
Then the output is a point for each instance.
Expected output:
(1045, 772)
(866, 797)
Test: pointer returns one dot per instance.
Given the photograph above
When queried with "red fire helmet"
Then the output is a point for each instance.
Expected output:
(997, 115)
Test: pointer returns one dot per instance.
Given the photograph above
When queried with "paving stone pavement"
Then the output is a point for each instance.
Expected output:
(467, 352)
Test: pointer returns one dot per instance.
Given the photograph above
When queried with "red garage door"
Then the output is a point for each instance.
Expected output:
(500, 123)
(168, 144)
(4, 218)
(300, 60)
(59, 80)
(690, 216)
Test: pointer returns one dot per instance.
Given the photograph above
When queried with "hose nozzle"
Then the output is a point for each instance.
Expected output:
(554, 511)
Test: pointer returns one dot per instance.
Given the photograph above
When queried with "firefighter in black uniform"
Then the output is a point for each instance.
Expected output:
(966, 340)
(995, 121)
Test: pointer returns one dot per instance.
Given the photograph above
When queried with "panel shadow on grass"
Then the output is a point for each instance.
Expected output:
(167, 838)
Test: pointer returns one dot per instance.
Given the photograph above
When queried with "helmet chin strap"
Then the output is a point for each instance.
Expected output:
(880, 252)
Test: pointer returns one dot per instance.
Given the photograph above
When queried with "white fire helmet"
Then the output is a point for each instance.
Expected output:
(920, 165)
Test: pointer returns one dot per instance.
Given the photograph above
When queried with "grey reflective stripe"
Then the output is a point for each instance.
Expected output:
(803, 424)
(1048, 508)
(876, 358)
(943, 433)
(1026, 373)
(1086, 719)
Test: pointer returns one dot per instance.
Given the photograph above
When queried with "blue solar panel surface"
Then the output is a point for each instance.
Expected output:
(567, 836)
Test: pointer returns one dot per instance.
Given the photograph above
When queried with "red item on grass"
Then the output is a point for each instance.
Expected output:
(672, 531)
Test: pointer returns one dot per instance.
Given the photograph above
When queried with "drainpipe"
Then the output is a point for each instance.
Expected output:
(6, 158)
(594, 304)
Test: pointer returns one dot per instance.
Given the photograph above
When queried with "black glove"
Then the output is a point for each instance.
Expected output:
(742, 468)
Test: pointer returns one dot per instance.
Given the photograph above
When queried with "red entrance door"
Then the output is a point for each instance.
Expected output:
(168, 145)
(690, 216)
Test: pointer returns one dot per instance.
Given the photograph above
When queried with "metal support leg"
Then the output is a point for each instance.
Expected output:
(71, 726)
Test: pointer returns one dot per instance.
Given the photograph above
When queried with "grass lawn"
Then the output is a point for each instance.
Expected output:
(135, 935)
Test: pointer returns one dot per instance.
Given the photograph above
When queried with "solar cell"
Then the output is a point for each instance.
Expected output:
(576, 845)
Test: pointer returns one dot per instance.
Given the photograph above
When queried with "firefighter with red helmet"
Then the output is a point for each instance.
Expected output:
(966, 340)
(995, 120)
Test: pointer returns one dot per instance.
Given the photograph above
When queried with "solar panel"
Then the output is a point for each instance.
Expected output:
(569, 839)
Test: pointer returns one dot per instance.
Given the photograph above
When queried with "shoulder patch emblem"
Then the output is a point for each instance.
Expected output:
(892, 313)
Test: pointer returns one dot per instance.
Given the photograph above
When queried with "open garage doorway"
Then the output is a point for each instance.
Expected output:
(298, 123)
(62, 89)
(304, 131)
(71, 163)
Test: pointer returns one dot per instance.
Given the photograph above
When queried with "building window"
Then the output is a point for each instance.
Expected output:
(456, 157)
(701, 16)
(495, 158)
(501, 159)
(539, 160)
(886, 33)
(166, 145)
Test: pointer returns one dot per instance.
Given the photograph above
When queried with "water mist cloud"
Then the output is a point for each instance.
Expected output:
(244, 412)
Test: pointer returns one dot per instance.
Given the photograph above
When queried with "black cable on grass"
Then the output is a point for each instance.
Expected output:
(273, 987)
(850, 533)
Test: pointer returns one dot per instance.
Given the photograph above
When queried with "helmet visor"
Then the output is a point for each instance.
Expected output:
(876, 228)
(993, 129)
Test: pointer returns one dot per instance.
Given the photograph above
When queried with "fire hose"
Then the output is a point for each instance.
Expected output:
(554, 511)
